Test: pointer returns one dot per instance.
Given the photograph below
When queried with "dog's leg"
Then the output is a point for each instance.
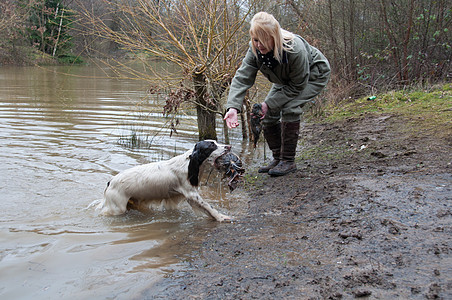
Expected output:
(196, 202)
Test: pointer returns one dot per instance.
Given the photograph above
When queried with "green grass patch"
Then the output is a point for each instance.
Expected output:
(427, 109)
(70, 59)
(253, 180)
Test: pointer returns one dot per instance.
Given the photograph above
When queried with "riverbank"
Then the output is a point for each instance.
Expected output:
(367, 214)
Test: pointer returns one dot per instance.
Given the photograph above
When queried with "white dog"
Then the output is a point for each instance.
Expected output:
(166, 182)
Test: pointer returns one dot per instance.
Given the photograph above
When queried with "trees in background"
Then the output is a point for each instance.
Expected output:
(375, 44)
(12, 24)
(371, 45)
(48, 26)
(42, 25)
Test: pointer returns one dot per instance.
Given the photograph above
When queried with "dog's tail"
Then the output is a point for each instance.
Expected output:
(97, 202)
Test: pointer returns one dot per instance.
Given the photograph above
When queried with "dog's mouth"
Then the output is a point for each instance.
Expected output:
(231, 165)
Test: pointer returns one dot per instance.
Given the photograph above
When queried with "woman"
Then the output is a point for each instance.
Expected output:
(298, 71)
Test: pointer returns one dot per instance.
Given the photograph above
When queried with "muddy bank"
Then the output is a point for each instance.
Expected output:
(367, 214)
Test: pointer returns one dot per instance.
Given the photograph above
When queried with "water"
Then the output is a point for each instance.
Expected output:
(59, 146)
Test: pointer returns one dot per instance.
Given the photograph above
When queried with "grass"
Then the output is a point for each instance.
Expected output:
(428, 109)
(134, 141)
(253, 180)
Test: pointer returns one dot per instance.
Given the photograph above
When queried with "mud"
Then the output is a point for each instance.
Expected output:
(367, 214)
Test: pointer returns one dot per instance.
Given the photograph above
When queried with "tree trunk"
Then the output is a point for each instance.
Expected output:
(205, 109)
(247, 121)
(59, 33)
(332, 33)
(352, 35)
(405, 42)
(226, 133)
(392, 40)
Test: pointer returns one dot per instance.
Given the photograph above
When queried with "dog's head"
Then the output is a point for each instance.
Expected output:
(204, 151)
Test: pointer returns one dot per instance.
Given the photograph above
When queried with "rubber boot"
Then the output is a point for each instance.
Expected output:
(290, 132)
(272, 135)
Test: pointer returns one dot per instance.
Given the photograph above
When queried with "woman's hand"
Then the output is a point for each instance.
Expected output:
(264, 109)
(231, 118)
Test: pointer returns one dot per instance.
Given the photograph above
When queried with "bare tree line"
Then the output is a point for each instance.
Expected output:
(374, 42)
(371, 45)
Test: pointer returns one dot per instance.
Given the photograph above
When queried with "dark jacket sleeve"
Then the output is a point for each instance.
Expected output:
(243, 79)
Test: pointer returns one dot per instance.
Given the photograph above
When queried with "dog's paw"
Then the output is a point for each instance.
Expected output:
(224, 218)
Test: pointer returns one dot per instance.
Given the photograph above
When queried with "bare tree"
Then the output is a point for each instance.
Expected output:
(398, 33)
(12, 24)
(204, 38)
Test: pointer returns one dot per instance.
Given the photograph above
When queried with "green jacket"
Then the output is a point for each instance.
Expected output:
(291, 79)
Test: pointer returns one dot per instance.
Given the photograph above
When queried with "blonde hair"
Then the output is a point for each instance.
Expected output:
(266, 28)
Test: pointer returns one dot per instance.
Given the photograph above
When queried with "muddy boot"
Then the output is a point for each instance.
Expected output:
(272, 135)
(290, 131)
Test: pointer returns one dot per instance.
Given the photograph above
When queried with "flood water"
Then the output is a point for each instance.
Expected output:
(62, 138)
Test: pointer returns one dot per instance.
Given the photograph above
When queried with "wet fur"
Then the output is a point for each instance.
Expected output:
(164, 183)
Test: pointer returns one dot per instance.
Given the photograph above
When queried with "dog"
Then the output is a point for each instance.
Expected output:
(165, 183)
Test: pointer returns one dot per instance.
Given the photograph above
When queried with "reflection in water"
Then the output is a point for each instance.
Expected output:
(59, 146)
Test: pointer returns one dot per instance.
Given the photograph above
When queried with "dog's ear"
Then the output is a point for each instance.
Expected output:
(200, 153)
(193, 168)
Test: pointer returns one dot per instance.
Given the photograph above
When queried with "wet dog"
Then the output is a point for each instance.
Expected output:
(166, 182)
